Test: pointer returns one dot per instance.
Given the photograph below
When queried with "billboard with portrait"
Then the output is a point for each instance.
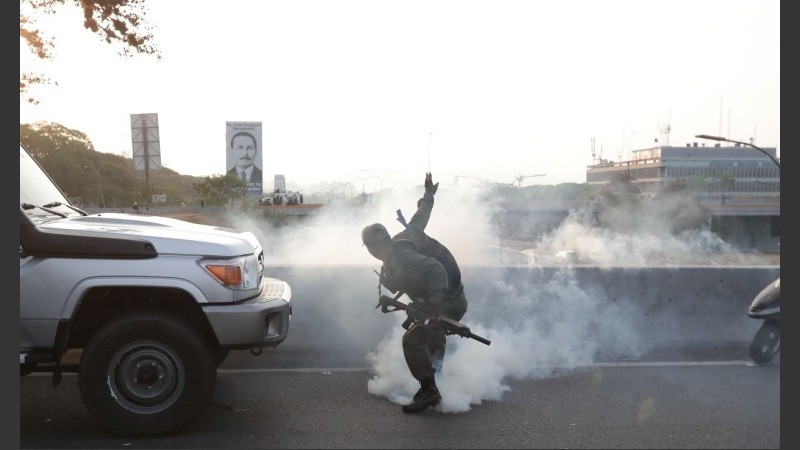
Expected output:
(245, 155)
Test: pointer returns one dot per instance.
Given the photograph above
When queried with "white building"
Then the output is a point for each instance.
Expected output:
(737, 182)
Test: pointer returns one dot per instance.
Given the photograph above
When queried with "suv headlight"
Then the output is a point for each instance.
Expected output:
(237, 273)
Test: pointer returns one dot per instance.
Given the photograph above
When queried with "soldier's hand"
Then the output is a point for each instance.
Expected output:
(415, 313)
(429, 186)
(420, 312)
(430, 321)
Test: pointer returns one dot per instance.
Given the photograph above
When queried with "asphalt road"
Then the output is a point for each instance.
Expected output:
(710, 397)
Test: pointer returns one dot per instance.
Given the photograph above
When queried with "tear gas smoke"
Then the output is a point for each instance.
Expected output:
(536, 328)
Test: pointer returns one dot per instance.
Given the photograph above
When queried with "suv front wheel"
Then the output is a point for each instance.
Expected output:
(146, 373)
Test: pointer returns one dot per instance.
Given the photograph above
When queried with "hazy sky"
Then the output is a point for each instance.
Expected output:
(368, 91)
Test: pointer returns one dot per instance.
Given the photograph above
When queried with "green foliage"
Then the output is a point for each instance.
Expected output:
(563, 191)
(727, 178)
(69, 157)
(45, 139)
(277, 220)
(622, 178)
(527, 194)
(676, 186)
(94, 178)
(219, 189)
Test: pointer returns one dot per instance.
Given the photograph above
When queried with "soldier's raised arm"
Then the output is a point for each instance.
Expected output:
(424, 205)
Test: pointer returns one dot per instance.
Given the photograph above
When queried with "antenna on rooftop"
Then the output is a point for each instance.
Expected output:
(665, 129)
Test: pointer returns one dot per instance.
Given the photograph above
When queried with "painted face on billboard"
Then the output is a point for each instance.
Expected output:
(244, 150)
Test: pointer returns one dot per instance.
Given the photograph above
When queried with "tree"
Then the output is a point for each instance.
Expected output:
(63, 153)
(218, 189)
(45, 139)
(96, 178)
(116, 21)
(678, 186)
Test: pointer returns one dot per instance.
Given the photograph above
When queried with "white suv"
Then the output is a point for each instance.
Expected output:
(154, 303)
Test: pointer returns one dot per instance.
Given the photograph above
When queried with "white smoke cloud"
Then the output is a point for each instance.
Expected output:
(661, 231)
(462, 220)
(333, 237)
(639, 248)
(536, 329)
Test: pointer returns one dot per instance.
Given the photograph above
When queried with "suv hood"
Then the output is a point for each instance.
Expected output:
(167, 235)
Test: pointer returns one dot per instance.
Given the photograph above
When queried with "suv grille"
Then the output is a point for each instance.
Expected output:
(260, 267)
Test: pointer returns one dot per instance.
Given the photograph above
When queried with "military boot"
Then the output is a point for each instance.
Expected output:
(427, 395)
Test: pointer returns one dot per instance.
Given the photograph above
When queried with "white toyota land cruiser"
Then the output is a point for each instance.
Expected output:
(152, 305)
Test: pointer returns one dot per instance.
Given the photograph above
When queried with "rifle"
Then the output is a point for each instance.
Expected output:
(389, 304)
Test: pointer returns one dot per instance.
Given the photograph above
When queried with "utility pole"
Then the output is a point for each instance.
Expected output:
(519, 178)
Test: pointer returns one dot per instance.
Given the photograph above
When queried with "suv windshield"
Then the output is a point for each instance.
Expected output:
(38, 189)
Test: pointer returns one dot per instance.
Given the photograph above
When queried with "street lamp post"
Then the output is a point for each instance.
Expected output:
(724, 139)
(362, 180)
(380, 177)
(99, 184)
(348, 183)
(429, 150)
(519, 178)
(458, 177)
(630, 138)
(748, 144)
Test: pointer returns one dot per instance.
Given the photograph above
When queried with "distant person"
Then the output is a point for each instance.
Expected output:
(244, 149)
(136, 207)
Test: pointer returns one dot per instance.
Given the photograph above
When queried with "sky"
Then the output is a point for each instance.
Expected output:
(374, 94)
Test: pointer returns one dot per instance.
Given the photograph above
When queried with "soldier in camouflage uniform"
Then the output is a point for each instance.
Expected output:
(426, 271)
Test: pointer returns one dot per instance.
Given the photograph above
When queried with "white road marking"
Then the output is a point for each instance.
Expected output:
(601, 364)
(328, 370)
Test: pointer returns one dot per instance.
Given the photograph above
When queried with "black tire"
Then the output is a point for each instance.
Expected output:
(220, 356)
(767, 342)
(147, 373)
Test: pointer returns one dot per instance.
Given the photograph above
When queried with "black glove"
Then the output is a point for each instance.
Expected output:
(429, 186)
(420, 312)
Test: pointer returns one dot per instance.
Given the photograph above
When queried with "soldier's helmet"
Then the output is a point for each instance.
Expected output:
(372, 234)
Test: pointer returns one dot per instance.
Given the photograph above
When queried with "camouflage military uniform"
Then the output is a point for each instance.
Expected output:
(425, 281)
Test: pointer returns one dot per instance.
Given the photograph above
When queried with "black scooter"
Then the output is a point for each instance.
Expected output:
(767, 306)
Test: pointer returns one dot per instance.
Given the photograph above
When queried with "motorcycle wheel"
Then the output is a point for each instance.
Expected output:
(767, 342)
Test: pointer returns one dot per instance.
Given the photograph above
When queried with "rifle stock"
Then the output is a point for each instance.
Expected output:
(389, 304)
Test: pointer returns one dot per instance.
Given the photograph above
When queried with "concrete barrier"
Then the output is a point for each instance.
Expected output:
(334, 306)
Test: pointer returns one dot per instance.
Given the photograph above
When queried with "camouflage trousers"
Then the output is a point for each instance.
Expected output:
(424, 345)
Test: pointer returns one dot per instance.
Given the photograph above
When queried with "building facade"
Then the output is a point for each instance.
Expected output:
(739, 185)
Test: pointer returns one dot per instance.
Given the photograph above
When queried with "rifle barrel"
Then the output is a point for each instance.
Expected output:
(480, 339)
(455, 326)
